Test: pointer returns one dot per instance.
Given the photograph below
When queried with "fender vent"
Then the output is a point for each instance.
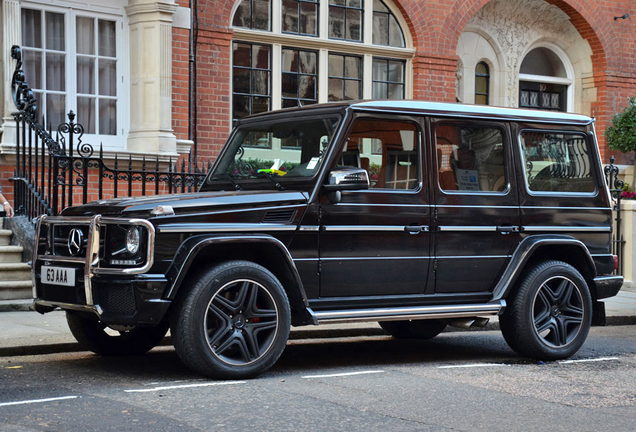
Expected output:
(279, 216)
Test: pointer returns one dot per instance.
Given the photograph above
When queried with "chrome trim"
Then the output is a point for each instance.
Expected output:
(38, 225)
(477, 206)
(473, 257)
(225, 228)
(403, 313)
(309, 228)
(375, 258)
(63, 305)
(564, 208)
(367, 228)
(566, 229)
(466, 228)
(66, 259)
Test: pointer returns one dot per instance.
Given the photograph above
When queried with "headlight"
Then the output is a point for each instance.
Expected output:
(132, 240)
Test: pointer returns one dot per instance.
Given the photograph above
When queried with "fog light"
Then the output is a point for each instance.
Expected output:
(132, 240)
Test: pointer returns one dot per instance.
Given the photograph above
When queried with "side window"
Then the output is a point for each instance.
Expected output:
(556, 162)
(470, 158)
(387, 149)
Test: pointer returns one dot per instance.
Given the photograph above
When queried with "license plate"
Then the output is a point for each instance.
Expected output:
(58, 276)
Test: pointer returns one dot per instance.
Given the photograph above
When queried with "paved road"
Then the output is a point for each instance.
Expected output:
(458, 381)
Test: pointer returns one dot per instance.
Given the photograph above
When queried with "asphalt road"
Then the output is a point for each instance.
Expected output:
(458, 381)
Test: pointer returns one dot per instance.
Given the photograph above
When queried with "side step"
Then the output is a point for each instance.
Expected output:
(409, 313)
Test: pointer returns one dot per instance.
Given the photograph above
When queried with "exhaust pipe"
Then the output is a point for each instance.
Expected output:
(467, 323)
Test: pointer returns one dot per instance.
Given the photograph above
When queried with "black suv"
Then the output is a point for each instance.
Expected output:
(417, 215)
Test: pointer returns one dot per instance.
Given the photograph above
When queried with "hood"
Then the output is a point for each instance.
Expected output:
(188, 203)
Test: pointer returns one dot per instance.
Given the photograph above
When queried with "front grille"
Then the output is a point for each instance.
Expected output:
(60, 240)
(116, 299)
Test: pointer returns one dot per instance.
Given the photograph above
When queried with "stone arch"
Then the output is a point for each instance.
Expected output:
(584, 15)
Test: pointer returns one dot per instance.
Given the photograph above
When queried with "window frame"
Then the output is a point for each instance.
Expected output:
(298, 74)
(366, 49)
(522, 161)
(487, 76)
(251, 68)
(110, 142)
(421, 156)
(387, 60)
(507, 159)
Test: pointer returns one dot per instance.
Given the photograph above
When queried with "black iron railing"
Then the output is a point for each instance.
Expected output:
(616, 190)
(54, 173)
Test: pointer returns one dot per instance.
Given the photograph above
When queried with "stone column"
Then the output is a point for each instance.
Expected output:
(10, 36)
(151, 76)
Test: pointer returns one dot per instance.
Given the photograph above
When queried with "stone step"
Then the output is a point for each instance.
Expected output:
(5, 237)
(11, 290)
(10, 254)
(15, 271)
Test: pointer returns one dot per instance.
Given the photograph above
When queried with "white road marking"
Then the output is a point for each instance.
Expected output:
(589, 360)
(343, 374)
(475, 365)
(210, 384)
(37, 401)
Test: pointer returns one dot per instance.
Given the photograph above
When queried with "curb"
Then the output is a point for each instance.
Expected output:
(16, 305)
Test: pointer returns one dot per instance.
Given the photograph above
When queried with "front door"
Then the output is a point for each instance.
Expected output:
(376, 242)
(477, 209)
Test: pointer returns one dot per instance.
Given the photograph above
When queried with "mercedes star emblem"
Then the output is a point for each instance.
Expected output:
(75, 241)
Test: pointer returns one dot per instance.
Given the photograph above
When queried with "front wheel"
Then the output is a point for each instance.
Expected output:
(97, 337)
(550, 313)
(233, 323)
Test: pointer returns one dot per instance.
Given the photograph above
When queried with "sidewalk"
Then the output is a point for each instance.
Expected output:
(25, 332)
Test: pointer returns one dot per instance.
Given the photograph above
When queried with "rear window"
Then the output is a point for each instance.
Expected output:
(556, 162)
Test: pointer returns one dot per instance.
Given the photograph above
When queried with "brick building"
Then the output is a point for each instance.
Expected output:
(168, 77)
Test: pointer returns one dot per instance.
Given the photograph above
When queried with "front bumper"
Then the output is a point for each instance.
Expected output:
(126, 296)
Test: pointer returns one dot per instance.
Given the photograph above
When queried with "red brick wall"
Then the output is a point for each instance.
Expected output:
(435, 26)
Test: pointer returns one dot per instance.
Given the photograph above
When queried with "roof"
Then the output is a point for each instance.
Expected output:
(449, 109)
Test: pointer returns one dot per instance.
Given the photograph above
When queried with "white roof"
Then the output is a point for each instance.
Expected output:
(477, 110)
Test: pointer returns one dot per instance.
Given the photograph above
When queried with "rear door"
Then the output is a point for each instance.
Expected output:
(477, 209)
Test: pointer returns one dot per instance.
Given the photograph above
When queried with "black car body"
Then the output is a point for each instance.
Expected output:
(413, 214)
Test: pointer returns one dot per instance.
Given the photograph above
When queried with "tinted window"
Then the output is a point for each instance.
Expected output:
(388, 150)
(556, 162)
(470, 158)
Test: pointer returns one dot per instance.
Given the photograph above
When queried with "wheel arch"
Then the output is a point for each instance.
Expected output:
(544, 248)
(261, 249)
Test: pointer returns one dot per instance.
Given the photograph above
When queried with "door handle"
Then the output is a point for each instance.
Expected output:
(507, 229)
(416, 229)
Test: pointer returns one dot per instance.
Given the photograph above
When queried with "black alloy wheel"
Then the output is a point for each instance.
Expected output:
(233, 323)
(550, 312)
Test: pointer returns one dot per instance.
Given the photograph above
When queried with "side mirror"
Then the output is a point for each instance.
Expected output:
(347, 178)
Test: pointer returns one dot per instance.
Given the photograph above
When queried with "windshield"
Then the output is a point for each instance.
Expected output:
(287, 150)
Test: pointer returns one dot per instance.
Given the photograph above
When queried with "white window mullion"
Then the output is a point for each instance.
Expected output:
(276, 76)
(323, 76)
(277, 12)
(367, 20)
(323, 19)
(367, 77)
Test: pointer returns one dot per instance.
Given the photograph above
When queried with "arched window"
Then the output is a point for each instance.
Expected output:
(543, 81)
(482, 84)
(284, 56)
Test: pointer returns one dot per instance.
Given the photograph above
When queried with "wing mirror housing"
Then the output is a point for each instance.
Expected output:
(345, 178)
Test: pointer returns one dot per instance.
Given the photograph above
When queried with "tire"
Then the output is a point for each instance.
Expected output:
(549, 314)
(233, 323)
(92, 336)
(416, 329)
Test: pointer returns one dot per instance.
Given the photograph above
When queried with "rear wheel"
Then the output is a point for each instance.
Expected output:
(97, 337)
(550, 313)
(233, 323)
(414, 329)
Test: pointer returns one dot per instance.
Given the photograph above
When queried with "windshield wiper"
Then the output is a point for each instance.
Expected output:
(229, 178)
(271, 178)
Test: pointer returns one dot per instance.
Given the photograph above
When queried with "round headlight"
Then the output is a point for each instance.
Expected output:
(132, 240)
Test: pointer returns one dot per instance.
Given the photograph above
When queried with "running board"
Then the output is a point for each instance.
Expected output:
(408, 313)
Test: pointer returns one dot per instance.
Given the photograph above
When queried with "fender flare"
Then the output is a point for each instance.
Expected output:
(524, 253)
(191, 247)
